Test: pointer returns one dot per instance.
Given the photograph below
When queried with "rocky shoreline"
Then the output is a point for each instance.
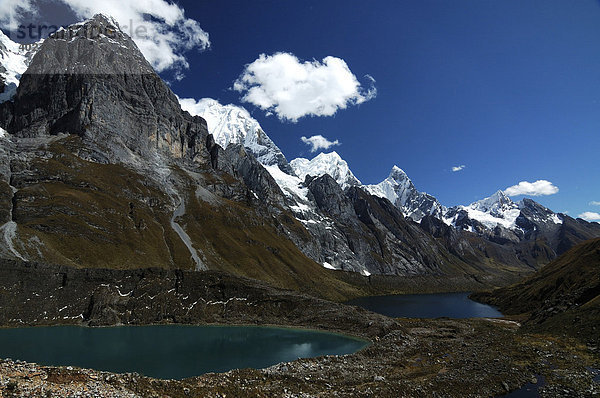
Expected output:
(436, 358)
(412, 358)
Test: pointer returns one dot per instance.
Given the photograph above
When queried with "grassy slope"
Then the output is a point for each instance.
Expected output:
(84, 214)
(80, 213)
(562, 297)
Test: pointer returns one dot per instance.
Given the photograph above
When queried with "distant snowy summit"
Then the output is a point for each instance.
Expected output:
(233, 125)
(400, 190)
(499, 210)
(326, 163)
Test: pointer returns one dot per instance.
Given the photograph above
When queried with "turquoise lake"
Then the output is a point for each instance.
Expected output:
(169, 351)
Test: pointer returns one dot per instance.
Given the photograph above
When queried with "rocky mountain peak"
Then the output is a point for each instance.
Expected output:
(90, 79)
(397, 174)
(399, 189)
(494, 203)
(94, 47)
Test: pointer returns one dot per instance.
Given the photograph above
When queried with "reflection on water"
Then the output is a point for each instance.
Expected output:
(529, 390)
(451, 305)
(595, 374)
(169, 351)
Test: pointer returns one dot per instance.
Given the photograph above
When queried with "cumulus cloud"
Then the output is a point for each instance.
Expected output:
(538, 188)
(159, 27)
(458, 168)
(12, 11)
(590, 216)
(317, 142)
(196, 108)
(594, 203)
(283, 85)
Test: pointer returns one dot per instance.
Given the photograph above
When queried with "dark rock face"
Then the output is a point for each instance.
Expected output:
(2, 69)
(92, 80)
(535, 221)
(2, 82)
(330, 198)
(574, 231)
(236, 161)
(53, 295)
(267, 148)
(375, 234)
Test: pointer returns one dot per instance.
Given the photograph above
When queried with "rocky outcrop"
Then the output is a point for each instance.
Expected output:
(41, 294)
(91, 80)
(375, 234)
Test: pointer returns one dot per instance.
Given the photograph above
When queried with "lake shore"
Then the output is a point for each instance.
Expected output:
(454, 358)
(407, 357)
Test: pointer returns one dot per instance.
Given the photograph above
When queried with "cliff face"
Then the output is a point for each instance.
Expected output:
(92, 81)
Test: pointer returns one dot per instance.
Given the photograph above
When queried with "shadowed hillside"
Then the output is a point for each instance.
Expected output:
(563, 297)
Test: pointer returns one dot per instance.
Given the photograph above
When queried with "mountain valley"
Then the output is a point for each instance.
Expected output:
(124, 204)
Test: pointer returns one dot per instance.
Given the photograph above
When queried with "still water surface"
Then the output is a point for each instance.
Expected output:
(168, 351)
(451, 305)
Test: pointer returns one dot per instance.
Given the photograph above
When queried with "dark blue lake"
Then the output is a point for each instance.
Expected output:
(167, 351)
(451, 305)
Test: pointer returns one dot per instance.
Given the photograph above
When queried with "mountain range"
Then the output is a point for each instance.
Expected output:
(101, 167)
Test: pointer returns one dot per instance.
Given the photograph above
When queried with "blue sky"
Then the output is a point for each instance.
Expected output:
(510, 89)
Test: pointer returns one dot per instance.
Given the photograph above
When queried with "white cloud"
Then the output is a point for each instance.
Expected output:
(159, 27)
(594, 203)
(11, 12)
(458, 168)
(195, 108)
(317, 142)
(590, 216)
(284, 85)
(538, 188)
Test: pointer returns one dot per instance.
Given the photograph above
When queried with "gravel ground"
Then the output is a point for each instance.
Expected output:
(424, 358)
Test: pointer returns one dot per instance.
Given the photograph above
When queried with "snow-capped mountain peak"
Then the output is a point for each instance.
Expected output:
(326, 163)
(399, 189)
(398, 174)
(13, 63)
(232, 124)
(500, 210)
(497, 203)
(497, 209)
